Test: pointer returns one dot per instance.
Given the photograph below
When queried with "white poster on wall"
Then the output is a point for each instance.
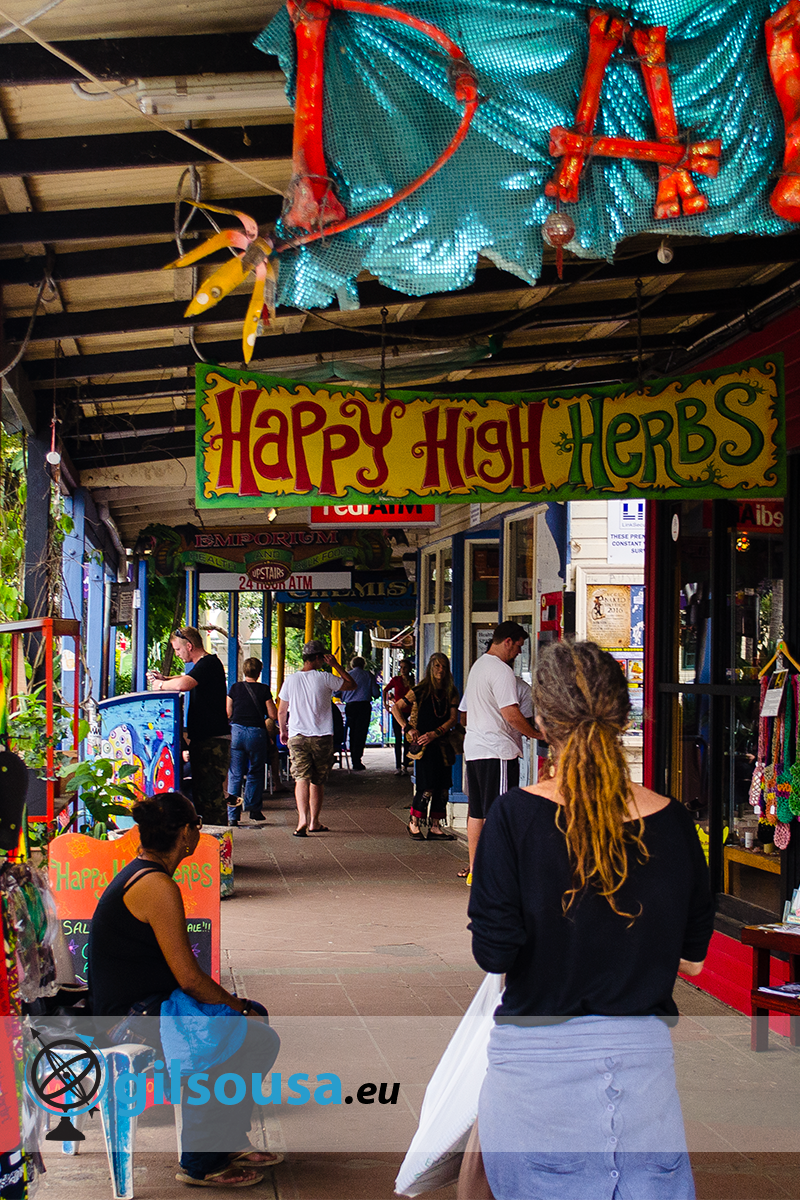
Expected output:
(626, 531)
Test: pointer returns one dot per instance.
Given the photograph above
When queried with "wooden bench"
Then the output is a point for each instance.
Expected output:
(766, 940)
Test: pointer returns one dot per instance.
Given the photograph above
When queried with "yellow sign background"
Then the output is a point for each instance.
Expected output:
(262, 440)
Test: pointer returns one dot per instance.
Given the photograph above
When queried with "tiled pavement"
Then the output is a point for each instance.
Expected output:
(356, 942)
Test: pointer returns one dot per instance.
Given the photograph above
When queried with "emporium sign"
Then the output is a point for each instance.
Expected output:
(264, 441)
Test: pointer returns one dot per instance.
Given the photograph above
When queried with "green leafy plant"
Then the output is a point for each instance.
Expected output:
(102, 786)
(27, 729)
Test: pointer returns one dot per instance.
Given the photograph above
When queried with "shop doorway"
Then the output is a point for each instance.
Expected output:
(720, 578)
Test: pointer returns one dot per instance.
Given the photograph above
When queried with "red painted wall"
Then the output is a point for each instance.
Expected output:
(728, 973)
(781, 336)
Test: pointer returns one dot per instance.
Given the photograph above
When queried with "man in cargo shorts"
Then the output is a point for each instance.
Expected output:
(306, 725)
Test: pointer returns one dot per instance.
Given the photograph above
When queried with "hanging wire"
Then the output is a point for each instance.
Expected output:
(46, 280)
(131, 104)
(196, 191)
(639, 376)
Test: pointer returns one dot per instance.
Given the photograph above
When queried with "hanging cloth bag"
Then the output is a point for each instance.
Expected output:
(783, 787)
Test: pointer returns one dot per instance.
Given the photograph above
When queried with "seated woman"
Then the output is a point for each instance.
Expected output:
(140, 959)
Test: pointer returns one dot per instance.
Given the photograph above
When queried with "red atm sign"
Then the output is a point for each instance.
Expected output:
(382, 515)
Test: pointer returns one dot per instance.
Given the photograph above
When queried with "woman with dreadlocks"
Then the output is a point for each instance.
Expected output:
(590, 893)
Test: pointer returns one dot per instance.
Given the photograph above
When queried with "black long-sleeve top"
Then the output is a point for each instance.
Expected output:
(591, 961)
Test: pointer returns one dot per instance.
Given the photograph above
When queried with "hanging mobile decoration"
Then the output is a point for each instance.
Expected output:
(558, 230)
(256, 257)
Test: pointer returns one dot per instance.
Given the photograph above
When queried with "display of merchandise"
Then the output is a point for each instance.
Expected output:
(27, 975)
(775, 783)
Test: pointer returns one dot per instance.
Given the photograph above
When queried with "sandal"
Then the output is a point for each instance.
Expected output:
(319, 829)
(229, 1177)
(416, 834)
(301, 832)
(463, 873)
(440, 836)
(256, 1158)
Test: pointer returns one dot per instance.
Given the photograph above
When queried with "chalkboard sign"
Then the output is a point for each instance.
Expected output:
(76, 937)
(81, 868)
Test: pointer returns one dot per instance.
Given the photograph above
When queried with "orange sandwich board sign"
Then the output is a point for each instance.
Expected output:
(82, 867)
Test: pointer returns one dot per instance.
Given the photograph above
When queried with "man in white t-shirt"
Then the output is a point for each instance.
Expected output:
(495, 727)
(306, 724)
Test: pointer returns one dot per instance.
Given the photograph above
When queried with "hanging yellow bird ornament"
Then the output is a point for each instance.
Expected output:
(257, 256)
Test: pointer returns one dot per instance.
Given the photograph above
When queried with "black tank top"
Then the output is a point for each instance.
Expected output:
(126, 963)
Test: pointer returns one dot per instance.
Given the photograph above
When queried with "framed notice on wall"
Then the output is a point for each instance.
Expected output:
(609, 610)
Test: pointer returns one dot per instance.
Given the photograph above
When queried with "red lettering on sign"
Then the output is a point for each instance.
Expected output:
(301, 431)
(348, 445)
(530, 444)
(229, 438)
(279, 469)
(377, 441)
(429, 449)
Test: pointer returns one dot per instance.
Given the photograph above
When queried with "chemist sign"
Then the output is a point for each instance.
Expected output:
(264, 441)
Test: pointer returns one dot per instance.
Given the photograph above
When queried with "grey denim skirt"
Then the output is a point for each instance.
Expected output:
(586, 1109)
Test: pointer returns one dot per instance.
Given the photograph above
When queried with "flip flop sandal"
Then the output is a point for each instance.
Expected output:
(256, 1158)
(319, 829)
(440, 837)
(463, 873)
(301, 832)
(418, 836)
(230, 1177)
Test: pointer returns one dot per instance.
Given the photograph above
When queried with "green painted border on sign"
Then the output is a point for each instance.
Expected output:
(768, 364)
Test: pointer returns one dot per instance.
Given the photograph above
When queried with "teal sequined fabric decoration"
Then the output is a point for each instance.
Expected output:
(390, 111)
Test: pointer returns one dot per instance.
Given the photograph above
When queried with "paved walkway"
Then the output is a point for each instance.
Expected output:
(356, 941)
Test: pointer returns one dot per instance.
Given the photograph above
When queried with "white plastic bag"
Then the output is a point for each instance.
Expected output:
(450, 1106)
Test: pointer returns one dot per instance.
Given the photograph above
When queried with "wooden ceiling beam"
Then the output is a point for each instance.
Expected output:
(143, 318)
(103, 224)
(123, 151)
(23, 63)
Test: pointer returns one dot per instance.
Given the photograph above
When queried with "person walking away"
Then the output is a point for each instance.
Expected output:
(358, 710)
(396, 689)
(490, 749)
(207, 729)
(306, 725)
(428, 712)
(525, 701)
(250, 706)
(590, 893)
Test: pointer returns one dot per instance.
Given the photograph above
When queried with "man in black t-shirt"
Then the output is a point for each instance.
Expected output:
(207, 728)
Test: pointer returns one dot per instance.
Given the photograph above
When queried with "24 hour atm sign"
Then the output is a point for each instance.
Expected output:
(261, 441)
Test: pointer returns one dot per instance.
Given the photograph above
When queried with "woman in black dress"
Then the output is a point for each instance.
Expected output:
(590, 894)
(428, 713)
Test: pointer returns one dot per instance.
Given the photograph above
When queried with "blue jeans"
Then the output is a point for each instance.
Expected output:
(224, 1128)
(249, 746)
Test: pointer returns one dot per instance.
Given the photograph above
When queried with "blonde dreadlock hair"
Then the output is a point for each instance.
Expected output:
(581, 698)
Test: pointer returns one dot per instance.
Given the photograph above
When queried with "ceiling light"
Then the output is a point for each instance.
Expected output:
(212, 95)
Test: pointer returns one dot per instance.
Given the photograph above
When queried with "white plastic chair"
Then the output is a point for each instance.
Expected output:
(119, 1125)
